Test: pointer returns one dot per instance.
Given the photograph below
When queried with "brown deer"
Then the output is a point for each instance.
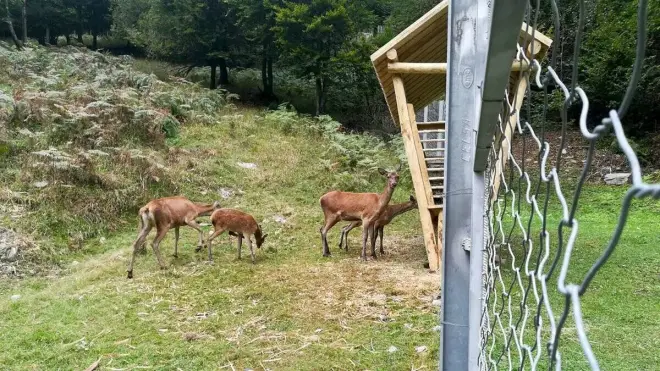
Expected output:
(164, 214)
(385, 218)
(365, 207)
(239, 224)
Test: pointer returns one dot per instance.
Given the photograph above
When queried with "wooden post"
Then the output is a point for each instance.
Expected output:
(422, 190)
(509, 130)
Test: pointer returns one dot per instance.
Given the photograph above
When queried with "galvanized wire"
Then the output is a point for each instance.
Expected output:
(520, 328)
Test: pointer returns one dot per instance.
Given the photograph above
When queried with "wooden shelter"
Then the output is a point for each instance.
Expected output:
(411, 69)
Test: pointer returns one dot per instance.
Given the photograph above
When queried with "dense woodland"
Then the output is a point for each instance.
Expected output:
(315, 53)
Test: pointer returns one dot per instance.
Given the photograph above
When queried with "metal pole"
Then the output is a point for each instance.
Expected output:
(463, 57)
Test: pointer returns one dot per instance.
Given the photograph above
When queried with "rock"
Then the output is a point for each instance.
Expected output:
(15, 297)
(8, 270)
(247, 165)
(616, 178)
(437, 328)
(226, 193)
(408, 326)
(279, 218)
(437, 302)
(318, 330)
(421, 349)
(41, 184)
(392, 349)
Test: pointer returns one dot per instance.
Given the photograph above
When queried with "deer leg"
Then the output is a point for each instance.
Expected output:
(156, 243)
(249, 242)
(380, 234)
(215, 234)
(347, 229)
(365, 235)
(329, 223)
(373, 232)
(137, 246)
(193, 224)
(240, 244)
(176, 242)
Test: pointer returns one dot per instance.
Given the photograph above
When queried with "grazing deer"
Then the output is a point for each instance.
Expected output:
(239, 224)
(165, 214)
(385, 218)
(365, 207)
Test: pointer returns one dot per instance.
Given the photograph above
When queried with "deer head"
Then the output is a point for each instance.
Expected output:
(259, 238)
(392, 176)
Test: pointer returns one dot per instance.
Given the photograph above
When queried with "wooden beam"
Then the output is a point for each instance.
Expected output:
(441, 68)
(409, 139)
(420, 155)
(418, 68)
(509, 130)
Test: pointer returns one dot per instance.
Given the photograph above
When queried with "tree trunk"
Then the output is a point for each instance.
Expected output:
(79, 25)
(47, 36)
(24, 20)
(213, 84)
(53, 39)
(95, 41)
(68, 39)
(264, 74)
(224, 74)
(319, 96)
(10, 25)
(271, 90)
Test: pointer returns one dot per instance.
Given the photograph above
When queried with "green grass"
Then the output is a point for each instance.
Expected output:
(292, 310)
(620, 308)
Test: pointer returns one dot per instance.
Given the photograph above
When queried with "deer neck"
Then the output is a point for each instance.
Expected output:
(385, 197)
(398, 209)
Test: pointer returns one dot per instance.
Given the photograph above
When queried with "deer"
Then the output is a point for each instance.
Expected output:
(236, 223)
(364, 207)
(385, 218)
(164, 214)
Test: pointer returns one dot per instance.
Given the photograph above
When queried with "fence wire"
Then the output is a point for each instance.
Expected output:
(524, 255)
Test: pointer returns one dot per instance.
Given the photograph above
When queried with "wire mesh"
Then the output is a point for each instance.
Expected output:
(524, 256)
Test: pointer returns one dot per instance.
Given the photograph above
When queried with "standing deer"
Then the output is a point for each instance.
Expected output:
(165, 214)
(239, 224)
(365, 207)
(385, 218)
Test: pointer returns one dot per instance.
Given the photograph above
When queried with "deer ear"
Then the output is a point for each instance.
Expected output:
(382, 171)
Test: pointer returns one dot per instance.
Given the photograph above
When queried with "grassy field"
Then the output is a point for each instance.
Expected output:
(294, 309)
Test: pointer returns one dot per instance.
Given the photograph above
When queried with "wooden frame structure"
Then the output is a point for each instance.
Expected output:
(411, 70)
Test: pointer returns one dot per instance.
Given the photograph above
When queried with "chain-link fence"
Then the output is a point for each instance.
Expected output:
(532, 224)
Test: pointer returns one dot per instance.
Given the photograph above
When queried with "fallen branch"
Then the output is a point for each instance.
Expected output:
(94, 365)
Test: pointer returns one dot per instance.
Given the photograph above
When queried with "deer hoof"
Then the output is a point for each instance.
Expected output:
(130, 274)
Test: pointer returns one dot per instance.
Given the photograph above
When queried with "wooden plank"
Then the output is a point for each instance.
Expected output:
(412, 30)
(415, 162)
(420, 154)
(509, 131)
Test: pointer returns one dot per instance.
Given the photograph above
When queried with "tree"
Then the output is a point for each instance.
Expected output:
(311, 35)
(195, 32)
(8, 21)
(257, 18)
(97, 14)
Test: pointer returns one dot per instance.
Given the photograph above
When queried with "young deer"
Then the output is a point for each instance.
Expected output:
(385, 218)
(239, 224)
(165, 214)
(365, 207)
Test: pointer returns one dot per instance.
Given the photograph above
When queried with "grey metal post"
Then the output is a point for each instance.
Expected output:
(463, 57)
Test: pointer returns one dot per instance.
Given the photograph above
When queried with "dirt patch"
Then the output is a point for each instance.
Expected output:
(573, 156)
(17, 253)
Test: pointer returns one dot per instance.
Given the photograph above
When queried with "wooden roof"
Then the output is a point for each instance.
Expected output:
(425, 41)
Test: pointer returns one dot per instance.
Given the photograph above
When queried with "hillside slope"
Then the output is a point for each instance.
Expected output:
(81, 158)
